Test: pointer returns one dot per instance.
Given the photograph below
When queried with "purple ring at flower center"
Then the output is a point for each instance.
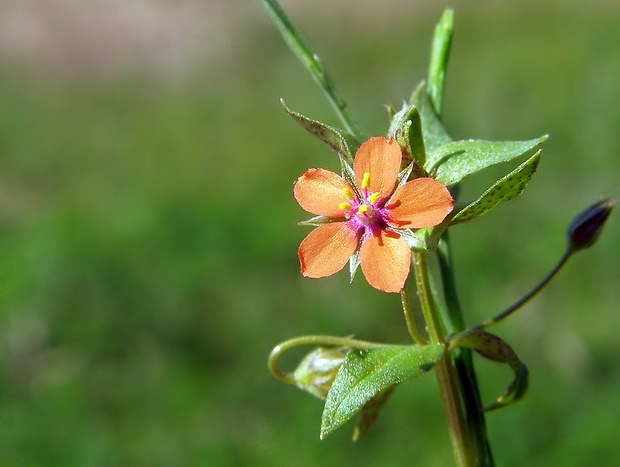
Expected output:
(365, 214)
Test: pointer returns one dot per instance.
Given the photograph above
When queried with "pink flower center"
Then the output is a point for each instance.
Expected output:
(366, 212)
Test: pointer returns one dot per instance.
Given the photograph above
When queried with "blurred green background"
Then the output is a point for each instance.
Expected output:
(148, 247)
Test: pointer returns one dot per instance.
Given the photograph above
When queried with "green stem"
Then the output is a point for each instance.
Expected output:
(453, 322)
(528, 296)
(313, 64)
(446, 375)
(411, 327)
(452, 318)
(333, 341)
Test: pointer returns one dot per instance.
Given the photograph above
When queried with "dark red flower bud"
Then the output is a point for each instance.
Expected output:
(587, 225)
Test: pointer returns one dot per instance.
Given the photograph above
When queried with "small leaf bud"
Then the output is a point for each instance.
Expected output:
(587, 225)
(316, 372)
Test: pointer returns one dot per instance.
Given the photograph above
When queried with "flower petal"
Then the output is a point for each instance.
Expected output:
(418, 204)
(381, 158)
(386, 259)
(320, 192)
(327, 249)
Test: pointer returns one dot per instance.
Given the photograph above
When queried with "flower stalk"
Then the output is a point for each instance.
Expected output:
(314, 65)
(468, 430)
(411, 326)
(460, 436)
(582, 233)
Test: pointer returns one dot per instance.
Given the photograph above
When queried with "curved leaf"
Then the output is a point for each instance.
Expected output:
(504, 189)
(494, 348)
(366, 373)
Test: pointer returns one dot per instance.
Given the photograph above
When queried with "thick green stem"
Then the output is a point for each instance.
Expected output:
(313, 64)
(453, 322)
(446, 375)
(452, 317)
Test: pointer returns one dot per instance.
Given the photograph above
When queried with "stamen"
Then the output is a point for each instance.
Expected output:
(345, 206)
(362, 209)
(349, 194)
(374, 197)
(366, 180)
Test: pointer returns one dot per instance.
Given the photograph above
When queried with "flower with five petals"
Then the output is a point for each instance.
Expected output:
(370, 218)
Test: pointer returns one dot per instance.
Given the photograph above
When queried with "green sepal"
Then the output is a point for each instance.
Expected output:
(454, 161)
(335, 139)
(349, 175)
(415, 240)
(433, 131)
(370, 412)
(504, 189)
(366, 373)
(354, 262)
(494, 348)
(403, 176)
(430, 236)
(318, 220)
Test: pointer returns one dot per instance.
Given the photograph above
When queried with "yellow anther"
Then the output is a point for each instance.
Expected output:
(349, 194)
(374, 197)
(366, 180)
(362, 209)
(345, 206)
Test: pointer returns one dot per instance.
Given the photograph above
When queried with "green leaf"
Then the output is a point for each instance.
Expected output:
(366, 373)
(494, 348)
(435, 135)
(439, 58)
(454, 161)
(504, 189)
(334, 138)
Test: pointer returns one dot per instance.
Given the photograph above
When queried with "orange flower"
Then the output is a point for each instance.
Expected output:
(369, 218)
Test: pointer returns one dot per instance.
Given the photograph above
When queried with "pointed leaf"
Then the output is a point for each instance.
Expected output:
(365, 373)
(370, 412)
(504, 189)
(454, 161)
(439, 58)
(335, 139)
(494, 348)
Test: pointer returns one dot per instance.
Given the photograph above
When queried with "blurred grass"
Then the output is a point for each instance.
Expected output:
(148, 247)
